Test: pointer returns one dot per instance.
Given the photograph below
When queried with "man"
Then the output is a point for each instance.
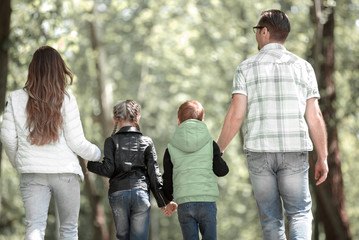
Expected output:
(279, 93)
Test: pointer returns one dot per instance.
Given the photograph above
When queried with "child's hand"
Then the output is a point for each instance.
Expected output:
(169, 209)
(172, 206)
(166, 212)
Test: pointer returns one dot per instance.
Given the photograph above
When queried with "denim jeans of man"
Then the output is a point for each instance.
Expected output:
(131, 213)
(281, 180)
(194, 215)
(37, 189)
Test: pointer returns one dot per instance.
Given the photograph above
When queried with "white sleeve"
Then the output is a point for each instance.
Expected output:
(239, 83)
(73, 132)
(8, 133)
(312, 84)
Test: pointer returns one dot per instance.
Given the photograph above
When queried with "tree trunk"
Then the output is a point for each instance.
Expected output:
(97, 213)
(104, 227)
(5, 12)
(104, 88)
(329, 195)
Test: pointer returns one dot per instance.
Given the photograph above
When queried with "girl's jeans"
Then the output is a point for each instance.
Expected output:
(194, 215)
(281, 179)
(36, 190)
(131, 213)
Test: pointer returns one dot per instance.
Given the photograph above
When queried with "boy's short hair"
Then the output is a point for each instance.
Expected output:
(191, 109)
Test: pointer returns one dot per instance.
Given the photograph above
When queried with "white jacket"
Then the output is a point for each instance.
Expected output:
(59, 157)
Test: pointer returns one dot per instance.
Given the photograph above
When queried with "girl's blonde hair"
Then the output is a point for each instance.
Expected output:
(127, 110)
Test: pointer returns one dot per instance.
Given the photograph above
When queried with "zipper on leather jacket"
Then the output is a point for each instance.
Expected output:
(162, 199)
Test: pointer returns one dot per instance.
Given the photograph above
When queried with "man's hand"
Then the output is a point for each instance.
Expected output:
(321, 171)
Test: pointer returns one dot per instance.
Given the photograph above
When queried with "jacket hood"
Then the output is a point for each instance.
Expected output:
(190, 136)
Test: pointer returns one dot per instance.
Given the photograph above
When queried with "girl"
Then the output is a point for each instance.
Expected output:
(42, 133)
(130, 162)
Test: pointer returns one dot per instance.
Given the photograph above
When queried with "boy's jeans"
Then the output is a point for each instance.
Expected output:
(36, 190)
(194, 215)
(131, 213)
(277, 178)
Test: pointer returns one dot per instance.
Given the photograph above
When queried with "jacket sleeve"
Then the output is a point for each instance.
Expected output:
(167, 176)
(220, 167)
(105, 168)
(8, 133)
(155, 175)
(74, 134)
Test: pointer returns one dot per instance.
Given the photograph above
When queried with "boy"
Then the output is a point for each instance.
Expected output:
(191, 163)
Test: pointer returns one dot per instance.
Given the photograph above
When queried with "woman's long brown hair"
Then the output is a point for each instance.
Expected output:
(46, 85)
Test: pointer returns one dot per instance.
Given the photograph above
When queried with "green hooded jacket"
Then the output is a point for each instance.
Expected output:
(191, 151)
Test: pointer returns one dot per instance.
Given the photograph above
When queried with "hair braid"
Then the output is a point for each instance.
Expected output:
(126, 110)
(119, 112)
(114, 128)
(133, 111)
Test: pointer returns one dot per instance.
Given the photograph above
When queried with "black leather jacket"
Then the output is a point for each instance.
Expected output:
(130, 162)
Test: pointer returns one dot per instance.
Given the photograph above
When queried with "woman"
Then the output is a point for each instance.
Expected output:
(42, 134)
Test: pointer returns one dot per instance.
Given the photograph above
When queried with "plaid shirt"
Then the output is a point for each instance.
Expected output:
(277, 84)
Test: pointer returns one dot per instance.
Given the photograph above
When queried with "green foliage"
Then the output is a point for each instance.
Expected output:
(12, 211)
(162, 53)
(347, 104)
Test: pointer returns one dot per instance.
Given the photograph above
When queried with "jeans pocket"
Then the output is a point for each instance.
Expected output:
(27, 179)
(67, 177)
(118, 202)
(117, 196)
(143, 199)
(256, 161)
(185, 212)
(210, 212)
(297, 161)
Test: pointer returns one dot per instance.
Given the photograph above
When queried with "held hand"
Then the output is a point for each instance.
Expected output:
(173, 206)
(169, 209)
(86, 170)
(321, 171)
(166, 212)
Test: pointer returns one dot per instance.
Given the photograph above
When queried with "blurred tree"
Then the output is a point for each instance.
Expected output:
(161, 53)
(5, 12)
(330, 195)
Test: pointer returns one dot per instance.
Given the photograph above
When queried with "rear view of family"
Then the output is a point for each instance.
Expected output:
(275, 90)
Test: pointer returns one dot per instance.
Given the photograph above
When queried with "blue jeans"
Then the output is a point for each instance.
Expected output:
(281, 179)
(131, 213)
(194, 215)
(36, 190)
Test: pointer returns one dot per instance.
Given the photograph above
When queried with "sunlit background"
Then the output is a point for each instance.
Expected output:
(161, 53)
